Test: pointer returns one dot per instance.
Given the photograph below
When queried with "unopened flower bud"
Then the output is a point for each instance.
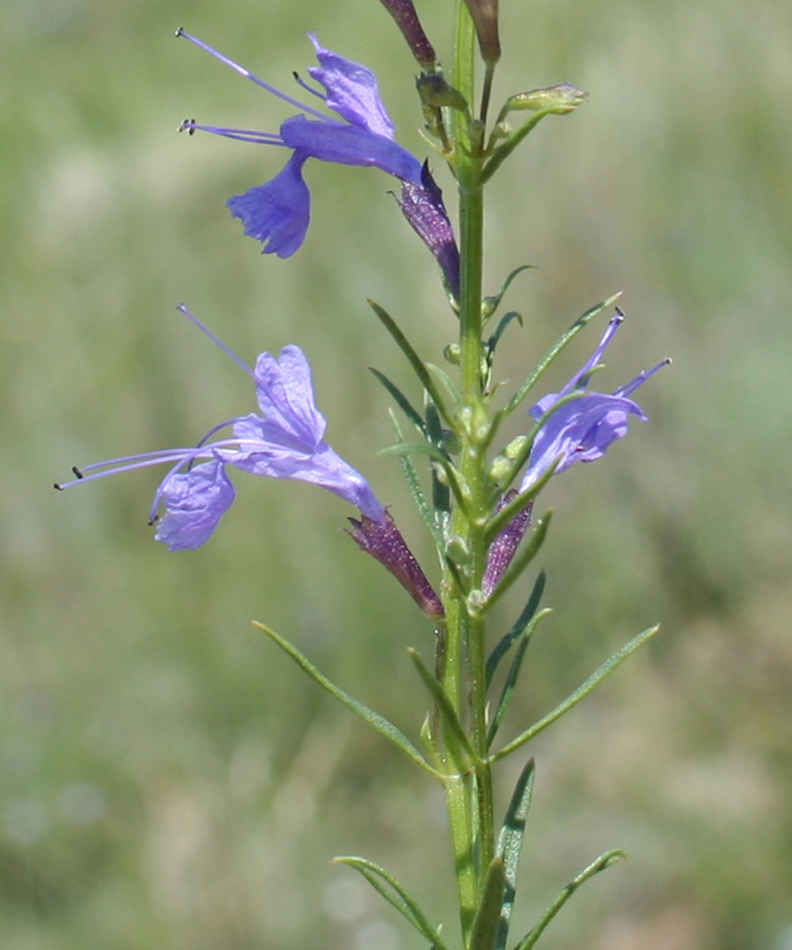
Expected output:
(500, 468)
(435, 91)
(515, 447)
(485, 19)
(403, 12)
(452, 354)
(558, 99)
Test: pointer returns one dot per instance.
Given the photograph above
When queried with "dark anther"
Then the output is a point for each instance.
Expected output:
(58, 487)
(153, 520)
(188, 126)
(180, 31)
(77, 472)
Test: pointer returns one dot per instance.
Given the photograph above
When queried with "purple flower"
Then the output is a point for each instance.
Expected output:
(284, 440)
(278, 212)
(582, 427)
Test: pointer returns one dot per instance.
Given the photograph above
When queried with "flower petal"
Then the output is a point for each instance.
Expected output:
(579, 431)
(352, 90)
(195, 501)
(349, 145)
(278, 212)
(285, 394)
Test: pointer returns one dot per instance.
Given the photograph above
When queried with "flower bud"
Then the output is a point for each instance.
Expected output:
(435, 91)
(403, 12)
(485, 19)
(558, 99)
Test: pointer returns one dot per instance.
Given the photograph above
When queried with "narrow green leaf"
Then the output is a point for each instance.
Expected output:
(520, 624)
(416, 491)
(553, 352)
(503, 151)
(485, 924)
(511, 677)
(375, 720)
(492, 303)
(396, 895)
(421, 448)
(524, 557)
(451, 387)
(441, 494)
(505, 320)
(602, 862)
(401, 400)
(440, 697)
(580, 693)
(510, 844)
(414, 360)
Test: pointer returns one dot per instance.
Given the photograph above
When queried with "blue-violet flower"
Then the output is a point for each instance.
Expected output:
(284, 440)
(278, 212)
(583, 424)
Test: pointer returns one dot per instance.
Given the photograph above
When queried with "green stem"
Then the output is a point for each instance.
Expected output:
(468, 786)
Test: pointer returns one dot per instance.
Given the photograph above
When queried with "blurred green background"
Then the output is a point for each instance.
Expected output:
(167, 778)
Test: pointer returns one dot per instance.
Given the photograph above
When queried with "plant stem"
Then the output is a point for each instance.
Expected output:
(468, 787)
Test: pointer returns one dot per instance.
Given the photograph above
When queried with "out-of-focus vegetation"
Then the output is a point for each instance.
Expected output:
(167, 778)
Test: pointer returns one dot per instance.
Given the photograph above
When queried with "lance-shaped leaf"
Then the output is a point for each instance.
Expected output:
(484, 931)
(511, 678)
(383, 726)
(491, 304)
(510, 845)
(505, 320)
(444, 704)
(396, 895)
(414, 360)
(401, 401)
(602, 862)
(517, 629)
(580, 693)
(553, 352)
(416, 492)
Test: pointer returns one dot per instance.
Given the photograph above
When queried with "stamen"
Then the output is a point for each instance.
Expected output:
(301, 82)
(243, 135)
(216, 340)
(248, 75)
(77, 472)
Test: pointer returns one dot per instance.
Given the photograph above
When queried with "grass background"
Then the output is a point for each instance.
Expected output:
(167, 778)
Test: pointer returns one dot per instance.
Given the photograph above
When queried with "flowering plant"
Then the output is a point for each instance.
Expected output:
(480, 512)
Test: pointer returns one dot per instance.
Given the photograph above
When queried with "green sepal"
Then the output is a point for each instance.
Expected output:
(401, 400)
(580, 693)
(379, 723)
(553, 352)
(491, 304)
(503, 645)
(511, 677)
(524, 557)
(396, 895)
(484, 931)
(415, 489)
(603, 862)
(412, 357)
(443, 703)
(510, 844)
